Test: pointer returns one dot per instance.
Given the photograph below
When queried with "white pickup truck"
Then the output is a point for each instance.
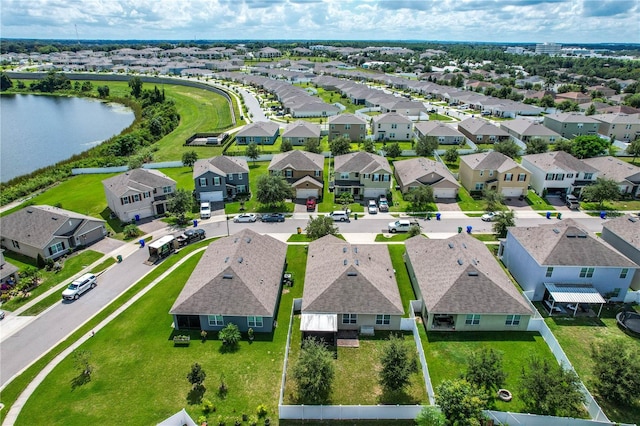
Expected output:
(402, 225)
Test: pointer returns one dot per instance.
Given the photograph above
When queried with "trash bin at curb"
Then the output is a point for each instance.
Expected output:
(141, 243)
(603, 215)
(559, 215)
(119, 258)
(459, 229)
(299, 230)
(355, 216)
(548, 215)
(195, 223)
(469, 228)
(437, 216)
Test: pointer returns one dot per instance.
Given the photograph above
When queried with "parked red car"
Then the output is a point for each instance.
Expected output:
(311, 204)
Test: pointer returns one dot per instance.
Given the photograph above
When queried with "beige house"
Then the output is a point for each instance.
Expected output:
(493, 170)
(348, 125)
(417, 172)
(445, 134)
(362, 174)
(302, 169)
(526, 130)
(392, 127)
(349, 287)
(138, 193)
(621, 127)
(479, 130)
(462, 287)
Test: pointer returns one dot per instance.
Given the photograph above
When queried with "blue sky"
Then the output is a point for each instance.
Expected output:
(564, 21)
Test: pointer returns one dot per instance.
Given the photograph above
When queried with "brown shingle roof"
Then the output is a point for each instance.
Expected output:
(297, 160)
(423, 170)
(220, 165)
(140, 180)
(362, 162)
(489, 161)
(558, 159)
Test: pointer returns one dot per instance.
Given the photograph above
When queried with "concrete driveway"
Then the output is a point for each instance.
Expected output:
(447, 205)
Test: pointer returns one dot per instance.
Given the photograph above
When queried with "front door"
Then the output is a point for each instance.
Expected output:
(160, 208)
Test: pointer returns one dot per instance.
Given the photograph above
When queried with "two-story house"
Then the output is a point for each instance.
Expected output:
(347, 125)
(300, 132)
(558, 172)
(549, 260)
(258, 132)
(392, 127)
(621, 127)
(416, 172)
(493, 170)
(220, 178)
(623, 234)
(625, 174)
(571, 124)
(481, 131)
(138, 193)
(362, 174)
(445, 134)
(527, 130)
(302, 169)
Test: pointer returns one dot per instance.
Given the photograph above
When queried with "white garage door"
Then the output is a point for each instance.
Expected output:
(444, 193)
(374, 192)
(306, 193)
(512, 192)
(211, 196)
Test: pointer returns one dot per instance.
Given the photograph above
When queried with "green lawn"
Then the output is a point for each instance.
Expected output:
(402, 276)
(391, 238)
(149, 366)
(468, 203)
(576, 336)
(256, 169)
(70, 266)
(491, 238)
(538, 203)
(612, 205)
(447, 354)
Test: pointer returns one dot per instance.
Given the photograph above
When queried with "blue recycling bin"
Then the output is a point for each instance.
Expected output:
(137, 217)
(603, 215)
(469, 229)
(195, 223)
(141, 243)
(437, 216)
(548, 215)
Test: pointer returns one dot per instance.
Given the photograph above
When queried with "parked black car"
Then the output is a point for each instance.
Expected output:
(272, 217)
(190, 235)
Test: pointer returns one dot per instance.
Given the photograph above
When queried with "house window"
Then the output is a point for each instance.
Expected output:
(147, 194)
(166, 189)
(317, 173)
(241, 188)
(586, 272)
(549, 176)
(376, 177)
(569, 175)
(56, 248)
(349, 318)
(239, 176)
(216, 181)
(202, 182)
(522, 177)
(15, 244)
(215, 320)
(366, 176)
(344, 175)
(254, 322)
(394, 126)
(588, 176)
(472, 319)
(386, 178)
(560, 176)
(508, 177)
(580, 125)
(347, 126)
(549, 272)
(392, 136)
(552, 139)
(333, 127)
(288, 173)
(479, 138)
(440, 139)
(512, 320)
(481, 172)
(383, 319)
(124, 200)
(479, 186)
(624, 272)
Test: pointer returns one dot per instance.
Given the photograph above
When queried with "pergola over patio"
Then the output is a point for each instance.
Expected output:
(574, 294)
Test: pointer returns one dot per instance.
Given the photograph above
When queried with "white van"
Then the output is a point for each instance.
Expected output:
(339, 215)
(79, 286)
(205, 210)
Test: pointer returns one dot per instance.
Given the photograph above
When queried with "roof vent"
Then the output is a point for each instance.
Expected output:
(475, 262)
(226, 259)
(450, 245)
(235, 240)
(355, 249)
(472, 273)
(248, 240)
(571, 235)
(227, 276)
(357, 262)
(344, 249)
(582, 235)
(460, 261)
(345, 262)
(464, 245)
(633, 219)
(352, 274)
(29, 211)
(240, 259)
(556, 230)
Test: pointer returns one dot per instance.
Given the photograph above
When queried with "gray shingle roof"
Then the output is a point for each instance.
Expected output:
(478, 126)
(237, 275)
(361, 162)
(459, 275)
(613, 168)
(571, 117)
(37, 225)
(559, 159)
(526, 127)
(346, 119)
(423, 170)
(626, 227)
(489, 161)
(220, 165)
(297, 160)
(565, 243)
(391, 117)
(350, 278)
(140, 180)
(259, 128)
(436, 128)
(301, 129)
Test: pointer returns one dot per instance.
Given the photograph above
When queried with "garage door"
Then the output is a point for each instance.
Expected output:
(306, 193)
(512, 192)
(211, 196)
(374, 192)
(444, 193)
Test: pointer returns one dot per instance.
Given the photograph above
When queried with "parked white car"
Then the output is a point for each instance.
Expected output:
(489, 217)
(245, 218)
(79, 286)
(373, 207)
(205, 210)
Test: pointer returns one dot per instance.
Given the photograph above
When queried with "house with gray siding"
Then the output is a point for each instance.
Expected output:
(462, 287)
(362, 174)
(49, 231)
(300, 132)
(259, 132)
(479, 130)
(571, 124)
(353, 284)
(237, 280)
(220, 178)
(416, 172)
(564, 254)
(392, 127)
(527, 130)
(623, 234)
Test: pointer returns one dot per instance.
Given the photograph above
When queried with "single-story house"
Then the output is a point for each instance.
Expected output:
(349, 287)
(220, 178)
(49, 231)
(302, 169)
(462, 287)
(479, 130)
(445, 134)
(237, 280)
(416, 172)
(526, 130)
(623, 234)
(625, 174)
(258, 132)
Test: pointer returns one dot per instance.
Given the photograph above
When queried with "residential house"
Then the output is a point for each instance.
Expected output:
(392, 127)
(627, 175)
(349, 287)
(621, 127)
(481, 131)
(348, 125)
(237, 280)
(604, 90)
(446, 135)
(258, 132)
(8, 272)
(527, 130)
(362, 174)
(138, 194)
(623, 234)
(300, 132)
(302, 169)
(403, 106)
(220, 178)
(571, 124)
(49, 232)
(462, 287)
(493, 170)
(417, 172)
(548, 260)
(558, 172)
(577, 97)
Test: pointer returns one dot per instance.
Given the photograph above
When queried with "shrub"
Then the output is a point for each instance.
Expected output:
(230, 335)
(207, 406)
(261, 410)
